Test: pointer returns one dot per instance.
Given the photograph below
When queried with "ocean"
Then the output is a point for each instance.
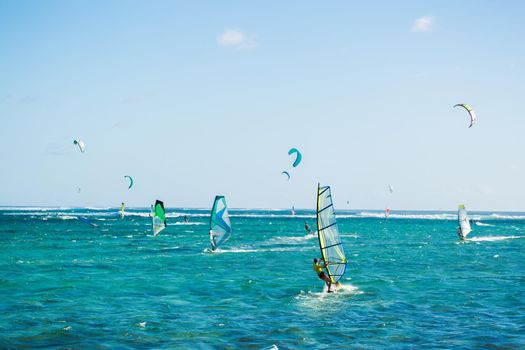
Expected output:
(409, 283)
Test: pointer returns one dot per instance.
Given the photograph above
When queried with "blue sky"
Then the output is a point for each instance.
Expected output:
(199, 98)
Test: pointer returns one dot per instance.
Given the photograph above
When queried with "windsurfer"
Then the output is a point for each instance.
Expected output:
(460, 234)
(212, 240)
(318, 268)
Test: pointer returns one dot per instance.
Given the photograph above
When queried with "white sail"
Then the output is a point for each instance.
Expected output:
(463, 220)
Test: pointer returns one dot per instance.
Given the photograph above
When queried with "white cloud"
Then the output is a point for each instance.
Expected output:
(423, 24)
(237, 39)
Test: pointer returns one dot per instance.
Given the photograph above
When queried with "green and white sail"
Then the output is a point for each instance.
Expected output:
(220, 225)
(328, 233)
(158, 217)
(463, 220)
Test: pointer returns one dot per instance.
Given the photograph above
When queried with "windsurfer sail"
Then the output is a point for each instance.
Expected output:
(464, 224)
(158, 217)
(329, 240)
(220, 225)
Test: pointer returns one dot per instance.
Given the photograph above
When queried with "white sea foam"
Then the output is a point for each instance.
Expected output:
(352, 235)
(483, 224)
(170, 248)
(262, 250)
(259, 213)
(343, 289)
(493, 238)
(130, 213)
(316, 300)
(189, 223)
(291, 239)
(506, 217)
(422, 216)
(190, 215)
(277, 216)
(63, 217)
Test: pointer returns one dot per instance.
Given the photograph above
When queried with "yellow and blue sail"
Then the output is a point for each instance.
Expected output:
(329, 240)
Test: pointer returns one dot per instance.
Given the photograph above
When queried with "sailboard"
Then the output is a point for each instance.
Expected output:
(158, 217)
(220, 225)
(464, 224)
(87, 221)
(328, 233)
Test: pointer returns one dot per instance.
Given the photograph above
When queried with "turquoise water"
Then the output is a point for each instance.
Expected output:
(409, 283)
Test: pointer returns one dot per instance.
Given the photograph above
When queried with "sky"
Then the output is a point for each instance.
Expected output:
(198, 98)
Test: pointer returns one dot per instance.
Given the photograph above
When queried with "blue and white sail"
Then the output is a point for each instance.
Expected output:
(220, 225)
(328, 233)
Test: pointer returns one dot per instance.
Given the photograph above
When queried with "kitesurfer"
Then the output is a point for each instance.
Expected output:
(186, 218)
(307, 227)
(212, 240)
(318, 268)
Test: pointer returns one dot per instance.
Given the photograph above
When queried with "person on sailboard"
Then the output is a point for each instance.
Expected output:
(460, 233)
(318, 268)
(212, 240)
(307, 227)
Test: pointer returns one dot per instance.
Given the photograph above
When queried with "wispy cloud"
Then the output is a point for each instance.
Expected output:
(423, 24)
(237, 39)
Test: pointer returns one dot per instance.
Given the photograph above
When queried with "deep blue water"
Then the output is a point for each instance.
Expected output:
(409, 282)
